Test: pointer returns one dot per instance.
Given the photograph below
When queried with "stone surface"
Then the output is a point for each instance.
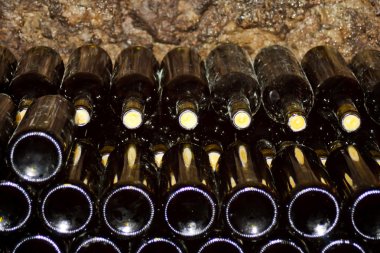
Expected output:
(161, 25)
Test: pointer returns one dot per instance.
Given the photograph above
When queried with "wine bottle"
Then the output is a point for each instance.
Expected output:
(128, 204)
(95, 244)
(8, 63)
(287, 95)
(7, 111)
(40, 144)
(356, 174)
(15, 208)
(250, 202)
(235, 92)
(221, 244)
(86, 81)
(313, 206)
(37, 243)
(283, 243)
(134, 89)
(160, 244)
(335, 86)
(187, 184)
(366, 67)
(79, 187)
(184, 93)
(38, 73)
(343, 246)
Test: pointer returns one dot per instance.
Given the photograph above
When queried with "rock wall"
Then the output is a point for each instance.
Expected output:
(163, 24)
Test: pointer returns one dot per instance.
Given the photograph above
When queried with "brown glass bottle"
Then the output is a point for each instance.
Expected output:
(128, 205)
(235, 92)
(250, 202)
(187, 184)
(7, 125)
(8, 63)
(287, 95)
(40, 144)
(86, 81)
(356, 175)
(38, 73)
(313, 207)
(335, 86)
(366, 67)
(134, 89)
(185, 92)
(79, 186)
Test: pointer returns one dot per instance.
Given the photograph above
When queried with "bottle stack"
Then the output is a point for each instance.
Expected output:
(190, 155)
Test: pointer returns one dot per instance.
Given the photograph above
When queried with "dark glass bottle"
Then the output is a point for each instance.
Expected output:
(90, 244)
(40, 144)
(221, 244)
(250, 202)
(188, 191)
(366, 67)
(185, 91)
(8, 63)
(235, 92)
(283, 243)
(7, 111)
(128, 205)
(335, 86)
(37, 243)
(356, 175)
(86, 81)
(38, 73)
(79, 187)
(160, 244)
(343, 246)
(287, 95)
(134, 87)
(313, 207)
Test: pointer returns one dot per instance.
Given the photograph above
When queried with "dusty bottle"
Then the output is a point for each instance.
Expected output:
(185, 92)
(39, 147)
(287, 94)
(250, 202)
(336, 88)
(235, 92)
(187, 184)
(86, 81)
(38, 73)
(8, 63)
(134, 90)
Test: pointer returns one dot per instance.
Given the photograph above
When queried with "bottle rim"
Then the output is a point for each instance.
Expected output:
(159, 239)
(38, 237)
(205, 195)
(97, 240)
(75, 188)
(354, 209)
(261, 192)
(43, 135)
(319, 190)
(225, 240)
(284, 242)
(146, 197)
(340, 242)
(28, 199)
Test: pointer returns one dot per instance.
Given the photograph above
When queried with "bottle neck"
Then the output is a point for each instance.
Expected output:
(132, 114)
(295, 116)
(83, 110)
(187, 112)
(159, 151)
(214, 151)
(348, 115)
(22, 108)
(240, 112)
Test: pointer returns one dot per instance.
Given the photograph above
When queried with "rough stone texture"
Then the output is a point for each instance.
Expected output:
(161, 25)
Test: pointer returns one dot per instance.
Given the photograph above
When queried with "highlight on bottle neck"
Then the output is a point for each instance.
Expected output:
(22, 108)
(295, 117)
(348, 116)
(36, 243)
(132, 113)
(214, 152)
(159, 151)
(240, 113)
(83, 110)
(97, 244)
(15, 208)
(187, 112)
